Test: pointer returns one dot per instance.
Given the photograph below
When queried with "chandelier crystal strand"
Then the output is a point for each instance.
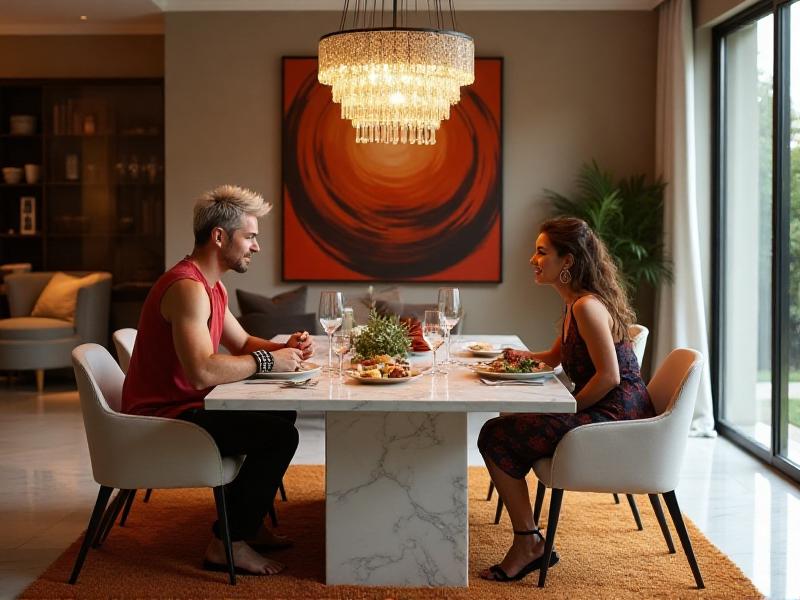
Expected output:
(396, 85)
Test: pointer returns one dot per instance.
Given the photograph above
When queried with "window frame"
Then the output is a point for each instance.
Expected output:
(777, 454)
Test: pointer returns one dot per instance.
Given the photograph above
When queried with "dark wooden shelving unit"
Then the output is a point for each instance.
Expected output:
(102, 208)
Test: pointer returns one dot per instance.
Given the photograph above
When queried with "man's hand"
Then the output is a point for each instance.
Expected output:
(287, 359)
(303, 342)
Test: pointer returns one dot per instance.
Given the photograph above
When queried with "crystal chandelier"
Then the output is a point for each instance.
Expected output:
(396, 84)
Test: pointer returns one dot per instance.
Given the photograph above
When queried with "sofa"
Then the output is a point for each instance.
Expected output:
(39, 342)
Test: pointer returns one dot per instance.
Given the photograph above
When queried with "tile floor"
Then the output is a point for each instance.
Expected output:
(46, 492)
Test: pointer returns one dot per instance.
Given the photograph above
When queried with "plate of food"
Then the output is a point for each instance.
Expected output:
(382, 370)
(483, 349)
(502, 368)
(305, 371)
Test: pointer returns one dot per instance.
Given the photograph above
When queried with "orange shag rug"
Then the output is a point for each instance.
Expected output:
(158, 554)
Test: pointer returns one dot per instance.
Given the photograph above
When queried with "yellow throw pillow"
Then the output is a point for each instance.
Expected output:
(60, 296)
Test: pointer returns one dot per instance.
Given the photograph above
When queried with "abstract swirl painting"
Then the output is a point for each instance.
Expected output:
(383, 212)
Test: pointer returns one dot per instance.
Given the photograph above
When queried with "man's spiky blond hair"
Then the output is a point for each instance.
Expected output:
(225, 207)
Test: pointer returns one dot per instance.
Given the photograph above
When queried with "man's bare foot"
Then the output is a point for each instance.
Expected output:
(524, 550)
(244, 557)
(267, 539)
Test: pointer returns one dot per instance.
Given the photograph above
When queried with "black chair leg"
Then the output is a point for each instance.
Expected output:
(222, 515)
(556, 496)
(94, 521)
(680, 527)
(273, 516)
(635, 511)
(616, 499)
(491, 490)
(537, 505)
(127, 508)
(656, 503)
(499, 510)
(147, 494)
(282, 490)
(117, 510)
(108, 518)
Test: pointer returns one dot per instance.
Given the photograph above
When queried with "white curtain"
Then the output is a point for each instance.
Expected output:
(680, 311)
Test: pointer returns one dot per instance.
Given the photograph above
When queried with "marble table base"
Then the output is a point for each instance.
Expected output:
(396, 499)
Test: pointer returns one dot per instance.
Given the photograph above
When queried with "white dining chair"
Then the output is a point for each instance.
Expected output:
(124, 339)
(641, 456)
(125, 448)
(638, 335)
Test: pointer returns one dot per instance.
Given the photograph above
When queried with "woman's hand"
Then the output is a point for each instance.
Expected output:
(303, 342)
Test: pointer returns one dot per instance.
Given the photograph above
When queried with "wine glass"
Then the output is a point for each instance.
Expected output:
(450, 306)
(331, 313)
(433, 332)
(341, 346)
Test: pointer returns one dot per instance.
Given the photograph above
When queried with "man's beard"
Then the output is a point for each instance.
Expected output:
(240, 264)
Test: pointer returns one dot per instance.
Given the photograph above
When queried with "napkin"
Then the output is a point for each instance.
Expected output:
(418, 343)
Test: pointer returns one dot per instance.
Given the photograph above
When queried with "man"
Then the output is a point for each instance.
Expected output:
(176, 362)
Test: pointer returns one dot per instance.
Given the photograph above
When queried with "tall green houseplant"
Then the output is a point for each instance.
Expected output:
(628, 216)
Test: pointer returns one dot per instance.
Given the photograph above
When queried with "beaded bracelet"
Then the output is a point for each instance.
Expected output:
(264, 361)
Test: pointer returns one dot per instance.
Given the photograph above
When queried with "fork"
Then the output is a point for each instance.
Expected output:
(306, 383)
(509, 382)
(284, 383)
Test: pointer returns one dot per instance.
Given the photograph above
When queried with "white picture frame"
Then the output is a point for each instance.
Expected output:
(27, 215)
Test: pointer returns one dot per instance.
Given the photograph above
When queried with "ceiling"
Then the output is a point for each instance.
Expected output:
(54, 17)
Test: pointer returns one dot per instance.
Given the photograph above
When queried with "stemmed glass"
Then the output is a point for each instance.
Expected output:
(433, 332)
(341, 346)
(450, 307)
(331, 313)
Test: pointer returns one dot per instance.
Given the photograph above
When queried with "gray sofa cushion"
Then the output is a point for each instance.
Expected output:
(292, 302)
(268, 326)
(35, 328)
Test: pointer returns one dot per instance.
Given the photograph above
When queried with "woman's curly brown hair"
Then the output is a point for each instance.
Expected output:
(593, 269)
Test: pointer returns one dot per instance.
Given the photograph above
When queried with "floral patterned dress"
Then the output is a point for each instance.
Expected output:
(515, 441)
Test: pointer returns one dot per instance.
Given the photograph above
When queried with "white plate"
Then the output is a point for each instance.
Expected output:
(307, 371)
(484, 372)
(495, 350)
(384, 380)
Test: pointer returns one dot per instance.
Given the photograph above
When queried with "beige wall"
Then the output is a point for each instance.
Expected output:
(710, 12)
(578, 85)
(44, 56)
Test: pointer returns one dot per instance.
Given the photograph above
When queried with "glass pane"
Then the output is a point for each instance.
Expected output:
(794, 238)
(747, 292)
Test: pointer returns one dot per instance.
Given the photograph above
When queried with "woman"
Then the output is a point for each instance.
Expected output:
(595, 350)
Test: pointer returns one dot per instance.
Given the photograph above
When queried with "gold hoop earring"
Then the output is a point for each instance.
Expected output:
(565, 276)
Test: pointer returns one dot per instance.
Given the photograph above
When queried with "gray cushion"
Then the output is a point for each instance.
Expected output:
(34, 328)
(268, 326)
(360, 304)
(288, 303)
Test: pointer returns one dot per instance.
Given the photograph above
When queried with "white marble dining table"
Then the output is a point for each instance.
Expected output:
(396, 463)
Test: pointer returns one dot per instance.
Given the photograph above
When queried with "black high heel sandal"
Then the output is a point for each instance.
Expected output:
(534, 565)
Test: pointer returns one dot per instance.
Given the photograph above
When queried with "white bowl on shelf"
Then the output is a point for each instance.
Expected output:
(22, 124)
(12, 174)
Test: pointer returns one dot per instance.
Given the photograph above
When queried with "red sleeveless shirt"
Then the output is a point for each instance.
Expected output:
(156, 384)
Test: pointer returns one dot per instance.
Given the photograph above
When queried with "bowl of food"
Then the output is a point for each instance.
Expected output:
(22, 124)
(12, 174)
(483, 349)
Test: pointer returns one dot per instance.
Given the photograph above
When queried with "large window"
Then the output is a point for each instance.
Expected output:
(757, 255)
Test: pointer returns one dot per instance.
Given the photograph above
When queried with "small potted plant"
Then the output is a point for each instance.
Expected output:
(383, 335)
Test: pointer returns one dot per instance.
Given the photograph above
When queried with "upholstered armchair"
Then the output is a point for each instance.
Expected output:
(39, 343)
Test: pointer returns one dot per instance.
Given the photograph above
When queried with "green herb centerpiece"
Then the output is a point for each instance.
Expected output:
(383, 334)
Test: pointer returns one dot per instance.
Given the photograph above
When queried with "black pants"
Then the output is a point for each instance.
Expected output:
(269, 439)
